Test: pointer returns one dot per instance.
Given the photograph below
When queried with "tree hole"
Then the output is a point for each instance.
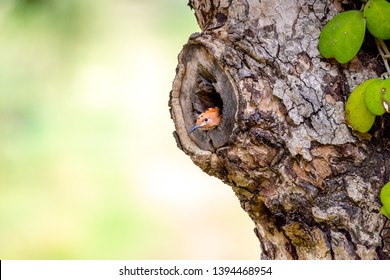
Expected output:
(205, 85)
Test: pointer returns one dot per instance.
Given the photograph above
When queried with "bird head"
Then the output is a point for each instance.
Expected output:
(208, 119)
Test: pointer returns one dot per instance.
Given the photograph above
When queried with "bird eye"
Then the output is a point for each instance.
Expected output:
(206, 119)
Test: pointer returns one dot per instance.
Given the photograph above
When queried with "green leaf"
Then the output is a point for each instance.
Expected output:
(375, 96)
(386, 96)
(385, 199)
(343, 36)
(377, 14)
(356, 112)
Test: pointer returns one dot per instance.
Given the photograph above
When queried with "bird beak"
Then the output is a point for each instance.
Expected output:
(194, 128)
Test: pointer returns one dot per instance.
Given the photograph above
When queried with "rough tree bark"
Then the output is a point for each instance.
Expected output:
(309, 183)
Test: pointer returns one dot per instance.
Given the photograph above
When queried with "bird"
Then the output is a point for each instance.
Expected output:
(207, 120)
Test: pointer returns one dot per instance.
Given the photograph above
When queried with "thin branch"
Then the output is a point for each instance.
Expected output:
(385, 54)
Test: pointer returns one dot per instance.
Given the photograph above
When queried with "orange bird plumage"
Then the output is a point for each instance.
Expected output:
(208, 119)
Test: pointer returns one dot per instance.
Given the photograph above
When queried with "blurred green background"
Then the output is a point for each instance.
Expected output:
(89, 168)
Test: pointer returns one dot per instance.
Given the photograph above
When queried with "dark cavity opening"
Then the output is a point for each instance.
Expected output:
(205, 95)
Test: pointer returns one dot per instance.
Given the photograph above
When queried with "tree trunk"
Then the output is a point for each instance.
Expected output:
(309, 183)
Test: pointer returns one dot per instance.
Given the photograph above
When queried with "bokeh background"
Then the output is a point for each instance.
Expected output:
(89, 168)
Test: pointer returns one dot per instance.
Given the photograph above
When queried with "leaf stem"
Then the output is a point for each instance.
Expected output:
(385, 54)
